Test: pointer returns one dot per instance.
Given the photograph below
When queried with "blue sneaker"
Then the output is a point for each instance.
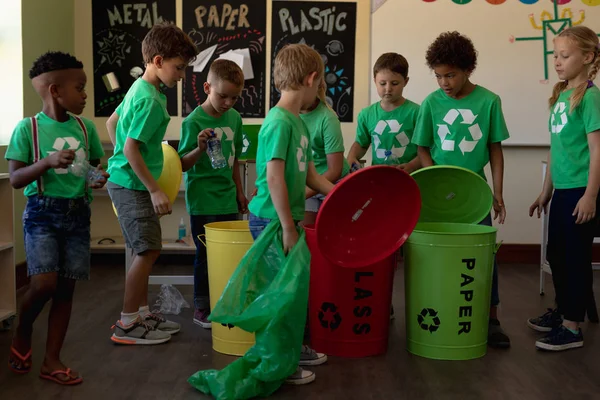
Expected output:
(546, 322)
(560, 339)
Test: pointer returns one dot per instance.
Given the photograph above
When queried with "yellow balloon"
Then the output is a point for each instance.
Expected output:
(169, 180)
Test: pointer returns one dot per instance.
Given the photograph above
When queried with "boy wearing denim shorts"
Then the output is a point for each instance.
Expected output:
(56, 221)
(137, 129)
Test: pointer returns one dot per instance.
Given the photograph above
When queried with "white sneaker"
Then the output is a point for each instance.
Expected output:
(301, 377)
(310, 357)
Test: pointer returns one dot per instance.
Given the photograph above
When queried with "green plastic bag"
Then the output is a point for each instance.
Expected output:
(268, 295)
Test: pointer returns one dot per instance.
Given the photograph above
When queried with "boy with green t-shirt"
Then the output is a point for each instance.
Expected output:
(137, 129)
(388, 125)
(284, 163)
(212, 195)
(462, 124)
(47, 155)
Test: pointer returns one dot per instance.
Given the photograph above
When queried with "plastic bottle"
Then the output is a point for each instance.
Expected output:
(215, 152)
(390, 158)
(83, 169)
(182, 230)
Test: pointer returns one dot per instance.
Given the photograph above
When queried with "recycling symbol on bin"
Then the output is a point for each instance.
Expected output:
(228, 326)
(329, 317)
(429, 314)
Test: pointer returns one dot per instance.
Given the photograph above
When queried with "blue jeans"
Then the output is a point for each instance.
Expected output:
(201, 290)
(257, 225)
(57, 236)
(487, 221)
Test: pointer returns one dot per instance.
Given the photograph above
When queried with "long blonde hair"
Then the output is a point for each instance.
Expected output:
(587, 41)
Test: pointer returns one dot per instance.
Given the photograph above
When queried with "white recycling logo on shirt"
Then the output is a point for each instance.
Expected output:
(559, 113)
(67, 143)
(401, 140)
(225, 134)
(246, 143)
(467, 118)
(300, 154)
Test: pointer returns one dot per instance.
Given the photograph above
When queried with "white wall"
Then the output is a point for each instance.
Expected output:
(11, 78)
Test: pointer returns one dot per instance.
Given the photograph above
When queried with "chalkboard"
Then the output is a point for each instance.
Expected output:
(218, 28)
(330, 28)
(118, 31)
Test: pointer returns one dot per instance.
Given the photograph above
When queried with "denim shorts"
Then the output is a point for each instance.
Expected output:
(313, 204)
(57, 236)
(138, 220)
(257, 225)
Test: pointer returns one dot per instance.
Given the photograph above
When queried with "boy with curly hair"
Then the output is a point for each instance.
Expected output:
(474, 139)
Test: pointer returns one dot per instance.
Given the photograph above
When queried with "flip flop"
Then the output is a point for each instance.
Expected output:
(24, 358)
(71, 381)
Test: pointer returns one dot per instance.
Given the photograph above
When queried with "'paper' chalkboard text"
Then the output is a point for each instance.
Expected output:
(142, 14)
(326, 20)
(227, 18)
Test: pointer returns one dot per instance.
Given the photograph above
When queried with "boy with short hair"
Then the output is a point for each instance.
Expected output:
(56, 220)
(388, 125)
(137, 129)
(212, 195)
(284, 164)
(462, 124)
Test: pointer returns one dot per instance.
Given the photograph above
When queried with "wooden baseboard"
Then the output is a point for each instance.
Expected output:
(527, 254)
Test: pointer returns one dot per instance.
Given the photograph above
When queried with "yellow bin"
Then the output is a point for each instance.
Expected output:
(226, 245)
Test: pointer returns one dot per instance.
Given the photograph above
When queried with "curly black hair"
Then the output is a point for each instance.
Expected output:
(452, 48)
(53, 61)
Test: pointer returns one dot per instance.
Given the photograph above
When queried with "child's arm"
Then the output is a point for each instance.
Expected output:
(424, 155)
(541, 203)
(191, 158)
(317, 182)
(586, 206)
(162, 205)
(497, 166)
(356, 153)
(279, 196)
(22, 174)
(335, 164)
(411, 166)
(111, 127)
(241, 196)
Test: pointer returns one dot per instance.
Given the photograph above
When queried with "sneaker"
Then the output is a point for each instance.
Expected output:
(546, 322)
(497, 338)
(140, 332)
(560, 339)
(201, 318)
(160, 323)
(301, 377)
(310, 357)
(392, 315)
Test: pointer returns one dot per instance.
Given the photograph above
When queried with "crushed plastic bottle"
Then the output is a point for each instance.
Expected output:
(215, 152)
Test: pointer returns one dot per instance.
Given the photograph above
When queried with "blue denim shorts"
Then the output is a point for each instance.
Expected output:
(57, 236)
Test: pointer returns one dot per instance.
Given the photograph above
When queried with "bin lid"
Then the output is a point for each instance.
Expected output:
(453, 194)
(367, 216)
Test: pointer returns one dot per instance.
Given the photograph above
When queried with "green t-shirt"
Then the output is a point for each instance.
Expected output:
(459, 131)
(211, 191)
(388, 131)
(54, 136)
(282, 136)
(143, 116)
(326, 137)
(569, 151)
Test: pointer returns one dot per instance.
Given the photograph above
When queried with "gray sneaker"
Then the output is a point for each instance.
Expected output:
(139, 332)
(310, 357)
(160, 323)
(301, 377)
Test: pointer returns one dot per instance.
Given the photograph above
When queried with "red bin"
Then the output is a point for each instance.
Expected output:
(349, 308)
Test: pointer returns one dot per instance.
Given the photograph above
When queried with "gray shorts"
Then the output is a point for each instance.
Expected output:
(313, 204)
(139, 223)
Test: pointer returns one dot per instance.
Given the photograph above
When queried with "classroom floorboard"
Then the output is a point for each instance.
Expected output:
(161, 372)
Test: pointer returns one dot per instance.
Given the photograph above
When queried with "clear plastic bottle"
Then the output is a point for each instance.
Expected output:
(215, 152)
(182, 230)
(390, 158)
(83, 169)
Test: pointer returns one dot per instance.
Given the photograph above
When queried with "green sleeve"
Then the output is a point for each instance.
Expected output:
(590, 112)
(119, 109)
(362, 130)
(20, 146)
(276, 140)
(190, 129)
(238, 137)
(499, 131)
(148, 115)
(332, 135)
(94, 143)
(423, 135)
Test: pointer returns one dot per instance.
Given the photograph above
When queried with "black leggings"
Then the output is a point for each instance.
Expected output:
(569, 253)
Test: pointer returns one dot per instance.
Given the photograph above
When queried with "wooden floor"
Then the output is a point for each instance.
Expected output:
(160, 372)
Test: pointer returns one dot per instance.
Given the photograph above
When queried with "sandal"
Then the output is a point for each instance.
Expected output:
(52, 377)
(14, 366)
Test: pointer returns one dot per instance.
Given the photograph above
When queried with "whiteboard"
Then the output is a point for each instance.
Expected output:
(508, 64)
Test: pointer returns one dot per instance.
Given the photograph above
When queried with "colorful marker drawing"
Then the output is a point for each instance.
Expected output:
(550, 27)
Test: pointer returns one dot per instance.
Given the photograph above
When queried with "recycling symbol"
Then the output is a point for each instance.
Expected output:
(246, 142)
(468, 119)
(399, 142)
(559, 112)
(329, 310)
(68, 143)
(228, 326)
(434, 320)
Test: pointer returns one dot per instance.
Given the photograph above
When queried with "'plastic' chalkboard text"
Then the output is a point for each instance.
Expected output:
(326, 20)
